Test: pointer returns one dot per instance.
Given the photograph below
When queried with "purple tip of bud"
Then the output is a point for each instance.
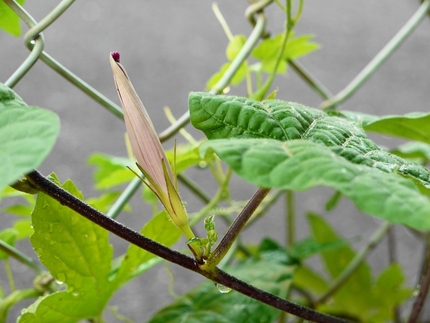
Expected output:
(115, 56)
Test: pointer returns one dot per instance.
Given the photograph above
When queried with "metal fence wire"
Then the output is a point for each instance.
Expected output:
(35, 43)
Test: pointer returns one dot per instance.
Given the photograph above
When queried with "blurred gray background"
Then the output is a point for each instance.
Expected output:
(171, 48)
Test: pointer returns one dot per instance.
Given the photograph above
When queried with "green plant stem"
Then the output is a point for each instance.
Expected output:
(35, 30)
(355, 263)
(125, 196)
(317, 86)
(222, 21)
(423, 289)
(236, 227)
(9, 275)
(15, 297)
(226, 78)
(291, 217)
(36, 46)
(261, 93)
(381, 57)
(35, 51)
(255, 9)
(82, 85)
(21, 257)
(241, 56)
(218, 276)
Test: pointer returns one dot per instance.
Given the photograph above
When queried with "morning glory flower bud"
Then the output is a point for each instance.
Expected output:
(147, 149)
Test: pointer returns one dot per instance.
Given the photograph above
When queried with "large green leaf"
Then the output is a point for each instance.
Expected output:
(359, 296)
(77, 253)
(414, 126)
(27, 135)
(289, 146)
(9, 20)
(353, 298)
(205, 304)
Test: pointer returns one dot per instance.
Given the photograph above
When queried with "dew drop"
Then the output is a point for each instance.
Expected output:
(61, 277)
(223, 289)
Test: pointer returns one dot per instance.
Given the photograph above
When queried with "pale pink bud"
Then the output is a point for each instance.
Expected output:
(149, 153)
(143, 138)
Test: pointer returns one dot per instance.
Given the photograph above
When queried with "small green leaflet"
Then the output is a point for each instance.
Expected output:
(267, 51)
(289, 146)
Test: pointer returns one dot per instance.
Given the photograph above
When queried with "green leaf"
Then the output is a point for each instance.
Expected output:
(267, 53)
(234, 46)
(268, 50)
(9, 21)
(353, 297)
(308, 279)
(333, 201)
(9, 236)
(110, 171)
(27, 135)
(413, 126)
(388, 292)
(160, 229)
(417, 151)
(300, 165)
(206, 304)
(359, 296)
(186, 157)
(23, 228)
(300, 46)
(309, 247)
(290, 146)
(19, 210)
(76, 252)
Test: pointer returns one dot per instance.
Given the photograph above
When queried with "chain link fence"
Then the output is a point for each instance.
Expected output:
(366, 60)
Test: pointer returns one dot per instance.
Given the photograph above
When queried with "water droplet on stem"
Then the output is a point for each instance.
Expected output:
(223, 289)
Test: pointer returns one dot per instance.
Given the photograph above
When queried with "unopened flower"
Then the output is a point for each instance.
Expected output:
(147, 148)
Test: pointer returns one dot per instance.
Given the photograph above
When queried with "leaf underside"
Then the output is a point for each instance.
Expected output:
(290, 146)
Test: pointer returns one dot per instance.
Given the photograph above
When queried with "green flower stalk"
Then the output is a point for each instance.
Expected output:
(148, 151)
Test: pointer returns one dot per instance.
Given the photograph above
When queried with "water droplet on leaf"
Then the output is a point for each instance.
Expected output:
(61, 278)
